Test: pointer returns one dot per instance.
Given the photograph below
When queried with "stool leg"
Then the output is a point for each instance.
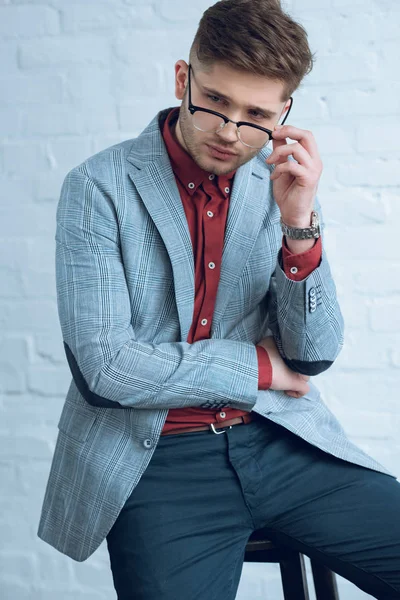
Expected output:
(324, 582)
(294, 578)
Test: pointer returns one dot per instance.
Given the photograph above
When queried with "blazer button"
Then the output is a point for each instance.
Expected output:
(148, 443)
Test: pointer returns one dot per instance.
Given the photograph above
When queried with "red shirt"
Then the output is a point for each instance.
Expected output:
(205, 199)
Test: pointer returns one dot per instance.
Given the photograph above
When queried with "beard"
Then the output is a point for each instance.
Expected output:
(196, 147)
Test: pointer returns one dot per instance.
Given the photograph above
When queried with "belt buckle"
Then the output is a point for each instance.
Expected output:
(219, 432)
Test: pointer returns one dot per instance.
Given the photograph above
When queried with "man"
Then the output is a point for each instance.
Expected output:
(192, 326)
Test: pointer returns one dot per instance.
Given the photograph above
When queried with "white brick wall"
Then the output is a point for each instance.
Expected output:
(76, 77)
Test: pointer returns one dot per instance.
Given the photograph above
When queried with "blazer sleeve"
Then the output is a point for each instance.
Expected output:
(109, 365)
(305, 317)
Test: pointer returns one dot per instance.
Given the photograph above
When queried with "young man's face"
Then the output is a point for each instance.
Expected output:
(234, 94)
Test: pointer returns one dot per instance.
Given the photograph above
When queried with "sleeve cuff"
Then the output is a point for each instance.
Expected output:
(305, 263)
(264, 369)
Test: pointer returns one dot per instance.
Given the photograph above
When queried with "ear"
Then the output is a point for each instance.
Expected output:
(181, 78)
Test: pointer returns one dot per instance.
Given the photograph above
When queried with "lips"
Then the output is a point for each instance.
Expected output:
(219, 152)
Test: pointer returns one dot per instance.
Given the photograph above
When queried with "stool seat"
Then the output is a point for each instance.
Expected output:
(261, 549)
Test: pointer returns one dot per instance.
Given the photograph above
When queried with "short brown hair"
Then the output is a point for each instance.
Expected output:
(255, 36)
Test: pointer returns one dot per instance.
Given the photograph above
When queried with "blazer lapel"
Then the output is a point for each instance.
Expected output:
(246, 213)
(154, 180)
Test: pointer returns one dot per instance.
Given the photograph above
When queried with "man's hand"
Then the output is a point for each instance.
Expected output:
(295, 183)
(283, 378)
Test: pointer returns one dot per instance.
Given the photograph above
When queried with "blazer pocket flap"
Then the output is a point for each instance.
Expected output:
(76, 421)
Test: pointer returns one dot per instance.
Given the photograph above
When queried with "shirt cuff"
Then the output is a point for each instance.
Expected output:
(305, 263)
(264, 369)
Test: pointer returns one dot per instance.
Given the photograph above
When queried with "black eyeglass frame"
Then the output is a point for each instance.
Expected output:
(193, 109)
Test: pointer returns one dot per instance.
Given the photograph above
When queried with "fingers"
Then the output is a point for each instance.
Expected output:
(299, 153)
(304, 137)
(291, 168)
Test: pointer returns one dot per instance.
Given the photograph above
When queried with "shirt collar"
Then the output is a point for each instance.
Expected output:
(188, 172)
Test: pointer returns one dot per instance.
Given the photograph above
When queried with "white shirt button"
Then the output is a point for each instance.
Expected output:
(227, 190)
(204, 322)
(191, 186)
(294, 270)
(211, 265)
(210, 214)
(148, 443)
(222, 415)
(211, 177)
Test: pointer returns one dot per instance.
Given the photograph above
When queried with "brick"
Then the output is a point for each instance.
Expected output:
(356, 245)
(67, 152)
(54, 569)
(42, 216)
(378, 137)
(135, 116)
(47, 186)
(182, 11)
(10, 122)
(353, 206)
(27, 89)
(16, 190)
(344, 68)
(88, 17)
(384, 314)
(16, 591)
(369, 171)
(375, 391)
(367, 424)
(19, 446)
(28, 315)
(90, 86)
(10, 483)
(360, 277)
(17, 565)
(309, 103)
(363, 351)
(52, 119)
(57, 591)
(169, 44)
(138, 81)
(99, 142)
(49, 380)
(28, 21)
(11, 283)
(353, 8)
(355, 312)
(343, 25)
(64, 51)
(333, 139)
(8, 57)
(318, 31)
(31, 154)
(37, 408)
(365, 100)
(13, 364)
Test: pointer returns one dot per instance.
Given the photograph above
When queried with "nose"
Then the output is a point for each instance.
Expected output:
(229, 133)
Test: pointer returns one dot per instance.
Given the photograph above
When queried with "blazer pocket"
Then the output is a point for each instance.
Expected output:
(76, 421)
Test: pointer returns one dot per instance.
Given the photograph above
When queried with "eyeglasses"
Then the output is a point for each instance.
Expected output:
(252, 136)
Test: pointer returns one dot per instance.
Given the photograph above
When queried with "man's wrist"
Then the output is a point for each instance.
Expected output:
(299, 246)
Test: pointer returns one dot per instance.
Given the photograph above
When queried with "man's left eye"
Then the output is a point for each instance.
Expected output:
(214, 98)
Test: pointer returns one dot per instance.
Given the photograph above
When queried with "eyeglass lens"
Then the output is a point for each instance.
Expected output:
(255, 138)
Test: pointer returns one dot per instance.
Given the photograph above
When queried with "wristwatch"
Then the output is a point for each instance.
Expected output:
(307, 233)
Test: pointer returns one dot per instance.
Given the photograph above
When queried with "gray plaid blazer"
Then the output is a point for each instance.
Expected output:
(125, 292)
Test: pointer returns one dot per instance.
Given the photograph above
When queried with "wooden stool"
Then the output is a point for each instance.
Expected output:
(294, 580)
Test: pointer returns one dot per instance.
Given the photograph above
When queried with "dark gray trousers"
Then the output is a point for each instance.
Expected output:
(183, 531)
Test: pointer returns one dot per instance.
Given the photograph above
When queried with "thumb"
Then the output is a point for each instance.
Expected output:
(299, 386)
